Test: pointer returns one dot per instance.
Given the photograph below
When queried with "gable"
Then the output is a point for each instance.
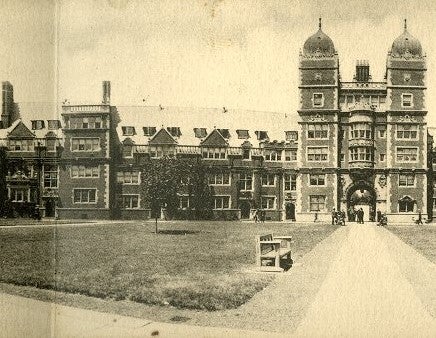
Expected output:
(21, 131)
(162, 137)
(215, 139)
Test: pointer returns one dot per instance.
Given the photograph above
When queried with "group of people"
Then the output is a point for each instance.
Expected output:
(338, 217)
(259, 216)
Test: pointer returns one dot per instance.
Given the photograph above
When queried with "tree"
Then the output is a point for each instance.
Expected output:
(3, 173)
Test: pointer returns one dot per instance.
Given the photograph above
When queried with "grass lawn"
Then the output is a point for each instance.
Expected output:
(196, 265)
(420, 237)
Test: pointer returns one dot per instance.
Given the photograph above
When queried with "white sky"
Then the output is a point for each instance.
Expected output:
(203, 53)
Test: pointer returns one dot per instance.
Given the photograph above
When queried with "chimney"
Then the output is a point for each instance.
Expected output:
(7, 104)
(362, 71)
(106, 92)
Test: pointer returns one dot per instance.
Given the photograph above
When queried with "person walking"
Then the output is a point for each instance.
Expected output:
(343, 217)
(419, 220)
(334, 217)
(362, 215)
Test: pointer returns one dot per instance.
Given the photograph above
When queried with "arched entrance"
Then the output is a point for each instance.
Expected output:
(361, 196)
(245, 208)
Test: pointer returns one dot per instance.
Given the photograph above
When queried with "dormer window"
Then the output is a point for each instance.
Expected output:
(174, 131)
(38, 124)
(128, 131)
(318, 100)
(406, 100)
(261, 135)
(54, 124)
(242, 134)
(225, 133)
(200, 132)
(149, 131)
(291, 135)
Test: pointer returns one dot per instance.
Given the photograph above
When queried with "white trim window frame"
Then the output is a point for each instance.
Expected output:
(272, 155)
(290, 182)
(290, 155)
(80, 144)
(129, 177)
(84, 195)
(84, 171)
(406, 132)
(317, 154)
(268, 180)
(317, 180)
(184, 201)
(130, 201)
(51, 176)
(408, 155)
(221, 202)
(220, 179)
(317, 131)
(407, 180)
(318, 100)
(407, 100)
(246, 181)
(268, 202)
(317, 203)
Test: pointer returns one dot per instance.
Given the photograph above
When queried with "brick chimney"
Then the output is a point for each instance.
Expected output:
(7, 104)
(106, 92)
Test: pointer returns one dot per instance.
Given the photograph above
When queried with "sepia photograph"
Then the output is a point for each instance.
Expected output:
(217, 168)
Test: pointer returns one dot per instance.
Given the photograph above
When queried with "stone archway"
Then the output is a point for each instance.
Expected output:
(361, 195)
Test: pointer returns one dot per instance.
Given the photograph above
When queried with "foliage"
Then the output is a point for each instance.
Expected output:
(3, 173)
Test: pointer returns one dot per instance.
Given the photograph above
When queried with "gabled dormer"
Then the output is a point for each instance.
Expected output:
(162, 137)
(214, 139)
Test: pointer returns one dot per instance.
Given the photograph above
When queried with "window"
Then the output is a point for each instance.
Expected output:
(90, 122)
(85, 144)
(183, 202)
(406, 204)
(407, 131)
(127, 150)
(317, 131)
(149, 131)
(84, 171)
(130, 201)
(382, 157)
(361, 130)
(128, 177)
(21, 145)
(261, 135)
(54, 124)
(342, 157)
(128, 131)
(361, 154)
(317, 154)
(406, 100)
(406, 180)
(268, 180)
(290, 182)
(272, 155)
(50, 176)
(290, 155)
(382, 133)
(242, 134)
(318, 100)
(317, 202)
(38, 124)
(174, 131)
(407, 154)
(84, 196)
(221, 202)
(162, 151)
(19, 195)
(291, 135)
(219, 179)
(245, 154)
(317, 179)
(214, 153)
(225, 133)
(246, 182)
(200, 132)
(268, 202)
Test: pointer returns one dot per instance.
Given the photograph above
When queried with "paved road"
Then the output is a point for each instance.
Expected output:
(366, 294)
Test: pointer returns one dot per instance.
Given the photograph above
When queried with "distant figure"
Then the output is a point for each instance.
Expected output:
(334, 217)
(419, 220)
(262, 216)
(256, 216)
(343, 217)
(316, 217)
(379, 216)
(362, 214)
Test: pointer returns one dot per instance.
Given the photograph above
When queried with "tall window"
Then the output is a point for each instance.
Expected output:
(317, 202)
(184, 202)
(407, 131)
(290, 155)
(317, 131)
(128, 177)
(407, 154)
(222, 202)
(317, 154)
(50, 176)
(85, 144)
(84, 196)
(406, 204)
(268, 180)
(21, 145)
(361, 154)
(318, 100)
(290, 182)
(361, 130)
(246, 182)
(317, 179)
(272, 155)
(406, 100)
(406, 180)
(130, 201)
(19, 195)
(222, 178)
(268, 202)
(85, 171)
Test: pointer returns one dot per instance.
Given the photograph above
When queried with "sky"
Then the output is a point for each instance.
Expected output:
(204, 53)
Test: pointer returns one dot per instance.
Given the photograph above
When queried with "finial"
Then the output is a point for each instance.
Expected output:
(320, 23)
(405, 24)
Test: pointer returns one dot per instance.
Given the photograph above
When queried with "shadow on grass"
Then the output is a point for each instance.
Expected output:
(177, 232)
